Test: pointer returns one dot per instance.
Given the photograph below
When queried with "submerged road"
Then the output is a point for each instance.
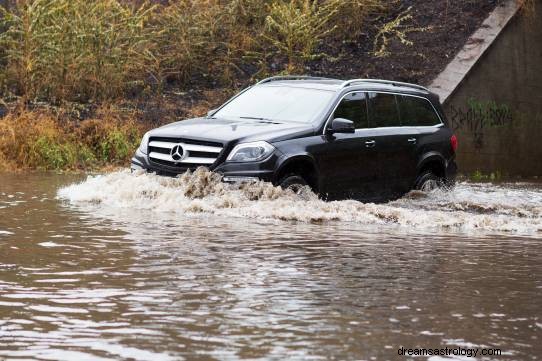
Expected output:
(140, 267)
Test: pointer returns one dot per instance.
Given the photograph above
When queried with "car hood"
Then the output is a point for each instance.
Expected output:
(229, 130)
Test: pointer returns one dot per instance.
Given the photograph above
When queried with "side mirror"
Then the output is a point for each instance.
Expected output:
(211, 112)
(341, 125)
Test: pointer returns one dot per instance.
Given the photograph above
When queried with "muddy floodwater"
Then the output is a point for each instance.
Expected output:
(139, 267)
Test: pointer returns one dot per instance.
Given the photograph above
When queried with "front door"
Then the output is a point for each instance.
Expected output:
(348, 162)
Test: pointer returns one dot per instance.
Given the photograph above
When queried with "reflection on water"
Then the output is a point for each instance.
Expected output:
(149, 268)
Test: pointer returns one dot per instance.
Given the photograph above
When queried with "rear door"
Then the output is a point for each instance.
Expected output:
(419, 118)
(396, 145)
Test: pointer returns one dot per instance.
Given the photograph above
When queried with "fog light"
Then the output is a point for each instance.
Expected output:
(239, 179)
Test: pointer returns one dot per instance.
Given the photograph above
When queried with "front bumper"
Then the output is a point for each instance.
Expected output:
(232, 172)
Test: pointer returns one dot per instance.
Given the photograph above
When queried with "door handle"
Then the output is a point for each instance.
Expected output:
(412, 140)
(370, 144)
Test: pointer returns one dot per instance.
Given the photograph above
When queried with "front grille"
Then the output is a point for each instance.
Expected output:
(190, 153)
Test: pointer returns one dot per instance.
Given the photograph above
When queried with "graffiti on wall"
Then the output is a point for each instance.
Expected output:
(478, 116)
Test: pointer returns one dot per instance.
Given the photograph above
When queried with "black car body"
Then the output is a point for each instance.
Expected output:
(363, 139)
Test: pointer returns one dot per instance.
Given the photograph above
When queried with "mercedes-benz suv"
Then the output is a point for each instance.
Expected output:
(363, 138)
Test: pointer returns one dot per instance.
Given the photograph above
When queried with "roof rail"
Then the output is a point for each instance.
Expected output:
(292, 77)
(379, 81)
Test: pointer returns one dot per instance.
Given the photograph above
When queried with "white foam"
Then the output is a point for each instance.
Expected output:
(469, 207)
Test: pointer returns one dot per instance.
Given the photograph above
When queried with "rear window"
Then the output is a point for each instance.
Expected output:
(383, 111)
(417, 112)
(354, 107)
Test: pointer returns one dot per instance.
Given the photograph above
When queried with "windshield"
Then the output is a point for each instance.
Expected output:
(281, 103)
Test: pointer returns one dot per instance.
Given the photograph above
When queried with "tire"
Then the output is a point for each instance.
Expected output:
(293, 182)
(428, 181)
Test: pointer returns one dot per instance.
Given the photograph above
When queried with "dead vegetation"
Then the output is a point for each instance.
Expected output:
(83, 79)
(44, 140)
(85, 51)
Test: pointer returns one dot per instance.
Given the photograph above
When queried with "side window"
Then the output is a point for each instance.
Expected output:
(353, 107)
(383, 110)
(417, 112)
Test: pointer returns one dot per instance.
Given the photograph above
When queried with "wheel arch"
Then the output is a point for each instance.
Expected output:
(300, 164)
(432, 161)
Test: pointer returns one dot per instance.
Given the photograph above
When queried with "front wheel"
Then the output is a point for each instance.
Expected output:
(428, 181)
(293, 182)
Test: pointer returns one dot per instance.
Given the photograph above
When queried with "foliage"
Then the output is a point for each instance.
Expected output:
(352, 15)
(395, 28)
(186, 35)
(527, 7)
(295, 28)
(478, 176)
(90, 51)
(43, 140)
(84, 50)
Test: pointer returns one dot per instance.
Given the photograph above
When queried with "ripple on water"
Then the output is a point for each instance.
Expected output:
(469, 207)
(135, 267)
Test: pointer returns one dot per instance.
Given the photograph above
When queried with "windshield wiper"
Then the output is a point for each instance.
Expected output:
(255, 118)
(261, 119)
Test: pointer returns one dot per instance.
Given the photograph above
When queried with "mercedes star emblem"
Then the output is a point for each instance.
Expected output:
(177, 152)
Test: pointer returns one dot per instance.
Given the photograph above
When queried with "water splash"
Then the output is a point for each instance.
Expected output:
(469, 207)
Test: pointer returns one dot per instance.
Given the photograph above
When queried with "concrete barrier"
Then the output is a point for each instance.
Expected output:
(492, 92)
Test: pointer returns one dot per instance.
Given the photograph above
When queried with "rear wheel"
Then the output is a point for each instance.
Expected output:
(428, 181)
(293, 182)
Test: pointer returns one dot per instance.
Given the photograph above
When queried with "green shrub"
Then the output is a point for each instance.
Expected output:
(118, 145)
(395, 29)
(477, 176)
(43, 140)
(50, 154)
(295, 28)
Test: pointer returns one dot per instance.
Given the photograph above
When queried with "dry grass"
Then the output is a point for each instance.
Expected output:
(49, 137)
(79, 54)
(294, 29)
(528, 8)
(74, 49)
(397, 28)
(43, 140)
(86, 51)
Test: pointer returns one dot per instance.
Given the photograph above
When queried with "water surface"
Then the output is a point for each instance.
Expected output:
(140, 267)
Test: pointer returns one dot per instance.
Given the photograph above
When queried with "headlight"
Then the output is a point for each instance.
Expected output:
(250, 152)
(144, 143)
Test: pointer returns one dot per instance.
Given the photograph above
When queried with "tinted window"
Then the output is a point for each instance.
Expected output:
(417, 112)
(277, 102)
(383, 110)
(353, 107)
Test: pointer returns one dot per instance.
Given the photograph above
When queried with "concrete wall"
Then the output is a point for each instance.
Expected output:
(505, 136)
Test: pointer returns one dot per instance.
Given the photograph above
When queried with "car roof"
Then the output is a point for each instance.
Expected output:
(331, 84)
(338, 84)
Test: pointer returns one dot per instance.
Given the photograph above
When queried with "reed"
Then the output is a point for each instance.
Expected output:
(74, 49)
(90, 51)
(294, 29)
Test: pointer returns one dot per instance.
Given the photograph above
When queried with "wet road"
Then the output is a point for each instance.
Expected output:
(148, 268)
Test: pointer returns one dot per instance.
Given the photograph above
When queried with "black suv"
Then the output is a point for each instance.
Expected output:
(363, 138)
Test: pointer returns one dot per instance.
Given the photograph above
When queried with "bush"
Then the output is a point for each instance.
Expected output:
(43, 140)
(74, 49)
(86, 51)
(295, 28)
(395, 29)
(352, 15)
